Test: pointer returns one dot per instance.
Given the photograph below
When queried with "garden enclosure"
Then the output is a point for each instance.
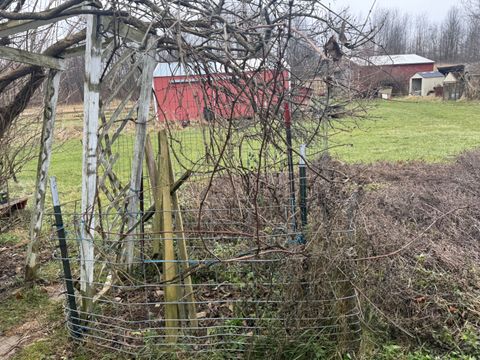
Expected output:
(199, 241)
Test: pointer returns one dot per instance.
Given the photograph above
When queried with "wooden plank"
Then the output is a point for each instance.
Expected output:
(93, 70)
(151, 165)
(169, 265)
(9, 207)
(49, 114)
(127, 32)
(13, 203)
(139, 148)
(15, 26)
(153, 176)
(27, 57)
(123, 30)
(189, 294)
(79, 50)
(130, 33)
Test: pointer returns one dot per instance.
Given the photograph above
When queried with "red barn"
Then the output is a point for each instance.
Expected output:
(389, 70)
(195, 93)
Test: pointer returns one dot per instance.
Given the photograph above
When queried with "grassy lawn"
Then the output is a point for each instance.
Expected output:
(404, 130)
(22, 306)
(398, 130)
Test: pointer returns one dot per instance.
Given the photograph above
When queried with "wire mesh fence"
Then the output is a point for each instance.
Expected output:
(249, 281)
(192, 241)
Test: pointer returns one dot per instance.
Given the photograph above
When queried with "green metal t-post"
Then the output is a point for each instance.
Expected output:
(302, 169)
(291, 176)
(62, 239)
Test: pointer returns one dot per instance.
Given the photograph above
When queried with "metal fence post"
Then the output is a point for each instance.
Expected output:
(302, 169)
(72, 304)
(291, 175)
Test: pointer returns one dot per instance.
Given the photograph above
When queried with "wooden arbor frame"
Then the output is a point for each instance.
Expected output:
(97, 142)
(97, 145)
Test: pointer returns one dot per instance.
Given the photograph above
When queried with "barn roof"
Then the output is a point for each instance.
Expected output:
(429, 74)
(451, 78)
(180, 69)
(446, 69)
(385, 60)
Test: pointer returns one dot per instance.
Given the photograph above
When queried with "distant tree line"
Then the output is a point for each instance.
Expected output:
(456, 38)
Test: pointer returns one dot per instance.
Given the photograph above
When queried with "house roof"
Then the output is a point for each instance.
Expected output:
(429, 74)
(385, 60)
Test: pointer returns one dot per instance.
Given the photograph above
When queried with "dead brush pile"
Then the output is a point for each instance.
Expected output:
(316, 293)
(405, 238)
(419, 231)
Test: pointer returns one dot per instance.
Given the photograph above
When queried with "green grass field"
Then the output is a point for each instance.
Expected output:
(405, 130)
(399, 130)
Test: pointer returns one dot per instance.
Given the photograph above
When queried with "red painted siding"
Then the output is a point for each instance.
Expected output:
(186, 98)
(371, 77)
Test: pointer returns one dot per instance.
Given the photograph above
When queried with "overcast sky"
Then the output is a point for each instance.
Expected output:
(435, 8)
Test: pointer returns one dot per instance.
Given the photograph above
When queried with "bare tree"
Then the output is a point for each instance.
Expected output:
(393, 34)
(472, 8)
(421, 36)
(451, 36)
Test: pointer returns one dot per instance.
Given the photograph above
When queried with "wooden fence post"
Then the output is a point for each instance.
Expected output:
(169, 265)
(49, 113)
(139, 148)
(188, 295)
(153, 175)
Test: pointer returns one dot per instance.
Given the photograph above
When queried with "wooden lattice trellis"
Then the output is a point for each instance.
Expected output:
(100, 132)
(104, 122)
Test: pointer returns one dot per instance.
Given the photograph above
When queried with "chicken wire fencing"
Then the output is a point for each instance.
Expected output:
(233, 294)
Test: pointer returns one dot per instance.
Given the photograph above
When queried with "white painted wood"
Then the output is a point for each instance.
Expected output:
(27, 57)
(54, 191)
(15, 26)
(79, 50)
(49, 114)
(91, 106)
(123, 30)
(149, 64)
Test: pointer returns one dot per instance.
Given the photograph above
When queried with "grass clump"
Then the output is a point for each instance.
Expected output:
(8, 239)
(22, 306)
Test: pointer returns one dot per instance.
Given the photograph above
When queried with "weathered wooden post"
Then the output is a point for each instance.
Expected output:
(91, 107)
(188, 295)
(139, 148)
(49, 113)
(169, 265)
(153, 175)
